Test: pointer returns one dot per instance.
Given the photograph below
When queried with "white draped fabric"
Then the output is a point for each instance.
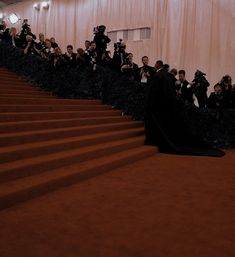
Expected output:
(187, 34)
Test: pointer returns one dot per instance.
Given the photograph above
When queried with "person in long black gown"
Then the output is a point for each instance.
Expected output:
(166, 123)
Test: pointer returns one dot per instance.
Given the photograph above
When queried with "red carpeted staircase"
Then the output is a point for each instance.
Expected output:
(48, 143)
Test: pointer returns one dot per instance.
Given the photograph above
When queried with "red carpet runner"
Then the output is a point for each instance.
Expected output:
(48, 143)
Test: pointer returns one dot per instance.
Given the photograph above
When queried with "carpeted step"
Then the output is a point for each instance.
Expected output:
(26, 95)
(16, 138)
(33, 116)
(10, 76)
(50, 108)
(31, 187)
(15, 83)
(20, 152)
(52, 101)
(10, 127)
(23, 88)
(28, 167)
(21, 92)
(7, 72)
(19, 85)
(8, 79)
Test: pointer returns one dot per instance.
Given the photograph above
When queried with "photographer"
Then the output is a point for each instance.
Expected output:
(70, 57)
(226, 84)
(53, 43)
(91, 55)
(81, 60)
(4, 31)
(216, 99)
(199, 87)
(101, 41)
(26, 30)
(119, 55)
(87, 45)
(145, 72)
(47, 50)
(56, 59)
(30, 46)
(129, 68)
(41, 43)
(107, 61)
(12, 39)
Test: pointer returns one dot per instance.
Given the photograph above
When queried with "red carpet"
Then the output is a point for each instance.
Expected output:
(163, 206)
(160, 206)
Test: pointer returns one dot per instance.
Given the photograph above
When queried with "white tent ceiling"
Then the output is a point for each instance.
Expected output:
(8, 2)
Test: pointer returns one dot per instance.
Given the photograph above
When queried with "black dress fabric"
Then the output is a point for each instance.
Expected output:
(166, 123)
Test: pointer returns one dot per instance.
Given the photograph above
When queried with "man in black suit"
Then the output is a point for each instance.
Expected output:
(30, 46)
(171, 72)
(91, 55)
(129, 68)
(216, 99)
(199, 86)
(87, 45)
(56, 59)
(146, 72)
(47, 51)
(119, 55)
(41, 44)
(53, 43)
(186, 91)
(101, 41)
(70, 57)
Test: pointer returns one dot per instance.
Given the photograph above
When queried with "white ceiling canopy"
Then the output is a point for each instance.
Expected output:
(8, 2)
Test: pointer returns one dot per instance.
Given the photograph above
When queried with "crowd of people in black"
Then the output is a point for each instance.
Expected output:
(95, 53)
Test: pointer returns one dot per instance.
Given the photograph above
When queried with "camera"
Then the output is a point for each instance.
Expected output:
(92, 52)
(128, 62)
(99, 29)
(226, 79)
(145, 68)
(198, 74)
(25, 22)
(25, 27)
(199, 78)
(33, 43)
(200, 83)
(42, 50)
(119, 46)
